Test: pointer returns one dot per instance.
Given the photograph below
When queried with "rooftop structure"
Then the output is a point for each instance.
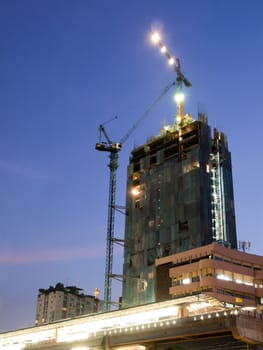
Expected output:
(59, 302)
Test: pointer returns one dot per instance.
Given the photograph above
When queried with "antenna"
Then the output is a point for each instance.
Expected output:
(244, 245)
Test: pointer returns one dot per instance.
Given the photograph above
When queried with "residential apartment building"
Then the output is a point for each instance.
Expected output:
(232, 277)
(59, 302)
(179, 197)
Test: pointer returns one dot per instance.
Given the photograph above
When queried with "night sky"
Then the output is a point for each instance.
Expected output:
(68, 65)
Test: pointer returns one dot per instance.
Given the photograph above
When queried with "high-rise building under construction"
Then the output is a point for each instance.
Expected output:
(179, 197)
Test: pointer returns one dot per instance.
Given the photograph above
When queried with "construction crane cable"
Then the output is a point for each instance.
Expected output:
(146, 113)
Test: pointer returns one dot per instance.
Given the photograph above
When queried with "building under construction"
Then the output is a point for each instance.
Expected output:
(179, 197)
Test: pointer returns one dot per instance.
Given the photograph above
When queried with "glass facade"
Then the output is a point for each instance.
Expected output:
(179, 197)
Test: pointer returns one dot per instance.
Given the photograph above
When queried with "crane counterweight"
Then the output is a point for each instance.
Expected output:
(104, 147)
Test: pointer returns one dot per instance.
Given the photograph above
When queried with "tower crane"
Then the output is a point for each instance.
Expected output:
(113, 148)
(180, 78)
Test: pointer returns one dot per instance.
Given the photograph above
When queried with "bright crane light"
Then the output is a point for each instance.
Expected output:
(179, 97)
(156, 40)
(155, 37)
(163, 49)
(171, 61)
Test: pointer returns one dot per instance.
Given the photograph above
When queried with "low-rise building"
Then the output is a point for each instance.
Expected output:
(59, 302)
(233, 277)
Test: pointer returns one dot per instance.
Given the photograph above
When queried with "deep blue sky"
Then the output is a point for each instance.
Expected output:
(68, 65)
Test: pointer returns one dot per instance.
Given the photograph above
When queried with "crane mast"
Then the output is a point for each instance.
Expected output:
(113, 165)
(113, 149)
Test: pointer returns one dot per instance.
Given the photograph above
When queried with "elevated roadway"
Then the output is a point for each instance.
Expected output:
(193, 323)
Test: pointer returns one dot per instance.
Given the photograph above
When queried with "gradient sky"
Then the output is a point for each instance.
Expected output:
(68, 65)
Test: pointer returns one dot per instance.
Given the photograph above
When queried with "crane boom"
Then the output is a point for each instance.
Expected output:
(145, 114)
